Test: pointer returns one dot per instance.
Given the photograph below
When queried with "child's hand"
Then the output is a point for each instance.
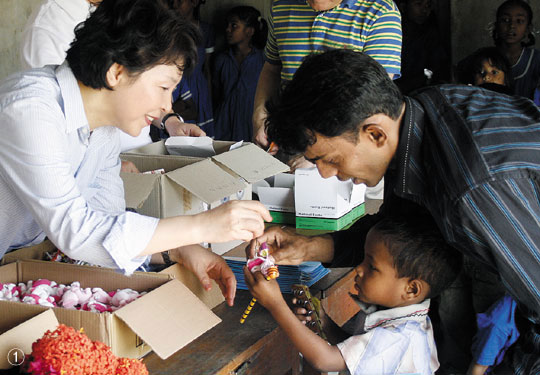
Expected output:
(304, 315)
(266, 291)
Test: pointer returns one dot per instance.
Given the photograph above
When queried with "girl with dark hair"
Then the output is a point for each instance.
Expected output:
(199, 80)
(486, 67)
(514, 38)
(237, 73)
(59, 148)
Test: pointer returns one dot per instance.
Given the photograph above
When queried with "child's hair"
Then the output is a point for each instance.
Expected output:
(175, 4)
(472, 65)
(137, 34)
(419, 251)
(521, 3)
(252, 18)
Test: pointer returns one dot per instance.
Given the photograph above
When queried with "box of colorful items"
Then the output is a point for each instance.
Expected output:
(47, 251)
(120, 311)
(43, 346)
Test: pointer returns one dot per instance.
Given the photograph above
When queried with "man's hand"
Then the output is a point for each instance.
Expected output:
(177, 128)
(260, 135)
(207, 265)
(267, 88)
(266, 291)
(128, 167)
(284, 244)
(299, 161)
(289, 248)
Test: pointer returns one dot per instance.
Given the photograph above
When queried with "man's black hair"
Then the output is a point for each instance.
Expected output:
(331, 93)
(419, 251)
(138, 34)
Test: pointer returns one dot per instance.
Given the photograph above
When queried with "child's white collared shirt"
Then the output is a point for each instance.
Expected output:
(396, 341)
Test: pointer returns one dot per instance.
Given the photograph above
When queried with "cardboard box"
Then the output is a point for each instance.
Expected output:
(32, 252)
(16, 342)
(165, 319)
(193, 184)
(278, 197)
(210, 298)
(326, 204)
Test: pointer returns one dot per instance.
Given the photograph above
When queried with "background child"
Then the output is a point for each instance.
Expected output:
(486, 67)
(199, 80)
(513, 36)
(497, 331)
(405, 264)
(237, 72)
(423, 47)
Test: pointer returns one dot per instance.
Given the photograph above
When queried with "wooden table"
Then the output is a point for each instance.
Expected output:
(256, 347)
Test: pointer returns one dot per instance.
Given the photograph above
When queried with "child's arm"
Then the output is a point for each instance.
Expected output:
(476, 369)
(317, 351)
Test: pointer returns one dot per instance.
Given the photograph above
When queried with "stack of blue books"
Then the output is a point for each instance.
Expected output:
(307, 273)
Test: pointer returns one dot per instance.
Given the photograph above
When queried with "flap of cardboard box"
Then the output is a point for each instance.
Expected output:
(211, 298)
(155, 148)
(31, 252)
(139, 187)
(89, 276)
(168, 318)
(251, 163)
(277, 198)
(18, 341)
(207, 181)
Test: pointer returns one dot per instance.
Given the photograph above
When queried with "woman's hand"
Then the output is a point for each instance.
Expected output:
(207, 265)
(177, 128)
(129, 167)
(234, 220)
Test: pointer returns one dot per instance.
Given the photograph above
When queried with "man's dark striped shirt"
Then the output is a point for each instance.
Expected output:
(472, 158)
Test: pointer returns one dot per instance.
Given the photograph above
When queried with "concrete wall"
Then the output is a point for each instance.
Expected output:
(468, 24)
(13, 18)
(15, 13)
(470, 21)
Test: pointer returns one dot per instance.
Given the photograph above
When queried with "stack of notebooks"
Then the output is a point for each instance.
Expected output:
(307, 273)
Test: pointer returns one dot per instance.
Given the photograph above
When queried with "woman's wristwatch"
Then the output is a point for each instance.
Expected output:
(167, 257)
(166, 117)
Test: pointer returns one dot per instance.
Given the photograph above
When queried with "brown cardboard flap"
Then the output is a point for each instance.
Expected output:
(156, 148)
(31, 252)
(138, 187)
(210, 298)
(89, 276)
(251, 163)
(22, 336)
(168, 318)
(207, 181)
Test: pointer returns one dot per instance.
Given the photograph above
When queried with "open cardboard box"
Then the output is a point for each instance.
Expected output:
(210, 298)
(326, 203)
(16, 343)
(192, 184)
(277, 194)
(31, 252)
(164, 320)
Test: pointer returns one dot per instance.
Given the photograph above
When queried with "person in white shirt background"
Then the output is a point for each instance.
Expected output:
(46, 37)
(59, 148)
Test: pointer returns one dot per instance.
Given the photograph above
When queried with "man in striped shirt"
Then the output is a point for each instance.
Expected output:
(300, 27)
(468, 156)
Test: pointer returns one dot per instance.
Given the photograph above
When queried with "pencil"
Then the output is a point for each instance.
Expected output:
(271, 147)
